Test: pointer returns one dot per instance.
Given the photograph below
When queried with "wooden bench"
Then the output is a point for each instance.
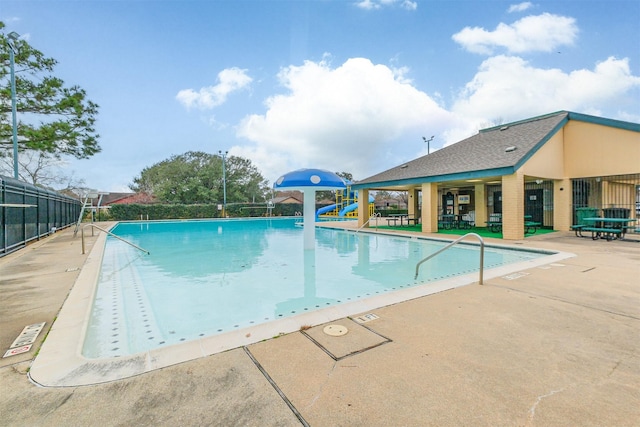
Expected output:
(607, 233)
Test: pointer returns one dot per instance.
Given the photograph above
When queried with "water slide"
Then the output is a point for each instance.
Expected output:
(352, 207)
(325, 209)
(343, 211)
(346, 210)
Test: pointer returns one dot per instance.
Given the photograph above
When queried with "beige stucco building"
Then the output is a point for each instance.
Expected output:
(544, 169)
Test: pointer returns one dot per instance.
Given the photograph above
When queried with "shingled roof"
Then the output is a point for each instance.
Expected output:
(491, 152)
(495, 151)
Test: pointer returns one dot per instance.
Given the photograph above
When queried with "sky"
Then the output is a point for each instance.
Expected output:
(345, 85)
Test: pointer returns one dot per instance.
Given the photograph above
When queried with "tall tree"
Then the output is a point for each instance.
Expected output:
(245, 183)
(196, 177)
(41, 169)
(52, 118)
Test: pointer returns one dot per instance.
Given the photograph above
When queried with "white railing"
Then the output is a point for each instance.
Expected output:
(110, 234)
(452, 244)
(376, 216)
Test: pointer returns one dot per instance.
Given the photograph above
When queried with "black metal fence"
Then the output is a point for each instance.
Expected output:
(607, 196)
(28, 213)
(608, 192)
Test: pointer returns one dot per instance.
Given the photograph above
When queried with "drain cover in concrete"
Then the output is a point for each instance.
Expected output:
(357, 340)
(335, 330)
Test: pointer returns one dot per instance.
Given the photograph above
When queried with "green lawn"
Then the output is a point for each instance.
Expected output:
(481, 231)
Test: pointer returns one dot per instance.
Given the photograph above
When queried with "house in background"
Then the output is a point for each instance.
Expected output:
(100, 202)
(545, 168)
(382, 204)
(288, 197)
(128, 199)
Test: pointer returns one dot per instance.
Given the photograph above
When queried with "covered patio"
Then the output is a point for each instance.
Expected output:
(521, 175)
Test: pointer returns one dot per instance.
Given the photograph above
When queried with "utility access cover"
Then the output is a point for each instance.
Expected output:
(335, 330)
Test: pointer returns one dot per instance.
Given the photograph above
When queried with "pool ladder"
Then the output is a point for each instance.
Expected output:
(110, 234)
(452, 244)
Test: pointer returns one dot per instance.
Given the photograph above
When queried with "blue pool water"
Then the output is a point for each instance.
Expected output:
(207, 277)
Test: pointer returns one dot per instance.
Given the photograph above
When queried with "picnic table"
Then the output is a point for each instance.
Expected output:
(450, 221)
(495, 224)
(530, 227)
(447, 221)
(395, 217)
(604, 228)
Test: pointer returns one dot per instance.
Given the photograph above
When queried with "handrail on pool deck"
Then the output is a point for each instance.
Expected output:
(110, 234)
(376, 216)
(453, 243)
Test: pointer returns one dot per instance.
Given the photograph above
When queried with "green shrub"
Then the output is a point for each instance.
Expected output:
(133, 212)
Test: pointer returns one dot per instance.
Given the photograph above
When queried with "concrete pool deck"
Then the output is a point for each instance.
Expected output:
(556, 345)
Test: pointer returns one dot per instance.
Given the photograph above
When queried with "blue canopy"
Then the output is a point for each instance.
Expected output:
(302, 179)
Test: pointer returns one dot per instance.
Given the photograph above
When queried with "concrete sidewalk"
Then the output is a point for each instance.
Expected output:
(556, 345)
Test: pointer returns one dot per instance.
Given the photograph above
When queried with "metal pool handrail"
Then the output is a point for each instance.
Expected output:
(452, 244)
(110, 234)
(375, 215)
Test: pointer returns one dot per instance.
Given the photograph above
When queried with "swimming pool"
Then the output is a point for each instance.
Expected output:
(212, 277)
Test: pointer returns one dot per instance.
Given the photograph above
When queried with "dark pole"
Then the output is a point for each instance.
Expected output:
(12, 40)
(224, 182)
(428, 141)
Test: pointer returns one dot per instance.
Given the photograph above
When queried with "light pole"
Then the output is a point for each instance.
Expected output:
(224, 182)
(12, 38)
(428, 141)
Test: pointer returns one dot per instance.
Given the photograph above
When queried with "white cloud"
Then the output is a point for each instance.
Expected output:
(509, 88)
(409, 5)
(363, 118)
(520, 7)
(229, 80)
(542, 33)
(347, 118)
(368, 4)
(378, 4)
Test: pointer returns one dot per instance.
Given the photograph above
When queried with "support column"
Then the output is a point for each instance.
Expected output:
(309, 218)
(480, 200)
(513, 206)
(562, 205)
(363, 207)
(429, 207)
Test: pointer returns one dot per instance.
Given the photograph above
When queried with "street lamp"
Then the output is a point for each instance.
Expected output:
(428, 141)
(224, 182)
(12, 38)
